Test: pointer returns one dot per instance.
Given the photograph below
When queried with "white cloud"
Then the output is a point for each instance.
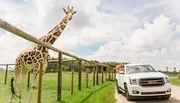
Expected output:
(10, 47)
(178, 28)
(96, 22)
(153, 35)
(173, 5)
(142, 46)
(147, 6)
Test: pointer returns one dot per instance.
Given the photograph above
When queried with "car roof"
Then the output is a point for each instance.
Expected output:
(134, 64)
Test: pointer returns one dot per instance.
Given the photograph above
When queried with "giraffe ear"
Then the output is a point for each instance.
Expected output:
(65, 10)
(74, 12)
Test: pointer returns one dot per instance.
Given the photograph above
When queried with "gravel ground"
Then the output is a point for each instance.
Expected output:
(175, 98)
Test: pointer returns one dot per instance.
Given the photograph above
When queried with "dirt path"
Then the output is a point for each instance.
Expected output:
(175, 98)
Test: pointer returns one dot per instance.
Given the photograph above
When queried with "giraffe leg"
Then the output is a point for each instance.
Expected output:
(20, 91)
(35, 72)
(33, 86)
(24, 71)
(34, 80)
(44, 69)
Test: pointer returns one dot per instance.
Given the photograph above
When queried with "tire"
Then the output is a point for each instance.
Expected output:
(166, 97)
(118, 89)
(128, 97)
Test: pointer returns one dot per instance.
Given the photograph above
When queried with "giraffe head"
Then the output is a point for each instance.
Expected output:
(69, 12)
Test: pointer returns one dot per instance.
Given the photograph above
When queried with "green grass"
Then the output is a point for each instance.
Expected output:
(49, 89)
(104, 95)
(175, 81)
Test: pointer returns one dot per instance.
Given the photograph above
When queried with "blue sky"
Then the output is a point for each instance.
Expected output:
(138, 31)
(88, 50)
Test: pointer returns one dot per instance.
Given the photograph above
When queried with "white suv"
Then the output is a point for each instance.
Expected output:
(136, 80)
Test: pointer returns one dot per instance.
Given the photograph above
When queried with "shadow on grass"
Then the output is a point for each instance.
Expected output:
(94, 92)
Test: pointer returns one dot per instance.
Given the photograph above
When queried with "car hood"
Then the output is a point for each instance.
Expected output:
(146, 75)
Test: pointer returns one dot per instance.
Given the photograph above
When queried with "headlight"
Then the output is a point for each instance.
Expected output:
(167, 79)
(133, 81)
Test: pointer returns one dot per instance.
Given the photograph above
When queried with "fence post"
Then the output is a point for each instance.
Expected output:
(97, 75)
(114, 74)
(109, 74)
(5, 80)
(174, 71)
(59, 86)
(102, 74)
(94, 70)
(167, 70)
(106, 75)
(72, 80)
(28, 82)
(79, 78)
(86, 78)
(40, 83)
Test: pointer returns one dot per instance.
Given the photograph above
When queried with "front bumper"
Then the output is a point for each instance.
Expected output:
(137, 90)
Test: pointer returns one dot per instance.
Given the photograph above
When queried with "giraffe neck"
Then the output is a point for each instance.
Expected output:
(53, 35)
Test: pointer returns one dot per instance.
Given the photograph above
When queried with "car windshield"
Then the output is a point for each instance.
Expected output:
(139, 69)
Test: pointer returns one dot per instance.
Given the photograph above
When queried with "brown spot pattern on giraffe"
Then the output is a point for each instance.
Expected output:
(33, 53)
(57, 33)
(62, 27)
(52, 40)
(36, 54)
(49, 38)
(44, 49)
(35, 60)
(39, 47)
(44, 40)
(25, 57)
(65, 21)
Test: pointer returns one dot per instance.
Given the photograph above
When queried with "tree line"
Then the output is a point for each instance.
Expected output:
(66, 66)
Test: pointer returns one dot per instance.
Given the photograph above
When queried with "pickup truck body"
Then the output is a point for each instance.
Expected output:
(137, 80)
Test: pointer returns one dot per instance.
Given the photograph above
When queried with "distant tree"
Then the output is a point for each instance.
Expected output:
(115, 63)
(159, 71)
(53, 58)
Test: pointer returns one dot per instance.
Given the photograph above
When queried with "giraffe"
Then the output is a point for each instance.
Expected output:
(30, 58)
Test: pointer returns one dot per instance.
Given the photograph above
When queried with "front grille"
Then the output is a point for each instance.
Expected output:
(148, 93)
(151, 82)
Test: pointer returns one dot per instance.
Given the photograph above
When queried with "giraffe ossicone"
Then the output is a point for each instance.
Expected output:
(30, 58)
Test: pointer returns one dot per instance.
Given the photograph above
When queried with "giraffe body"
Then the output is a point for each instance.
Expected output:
(30, 58)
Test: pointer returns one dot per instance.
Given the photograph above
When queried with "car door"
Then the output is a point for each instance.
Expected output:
(121, 81)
